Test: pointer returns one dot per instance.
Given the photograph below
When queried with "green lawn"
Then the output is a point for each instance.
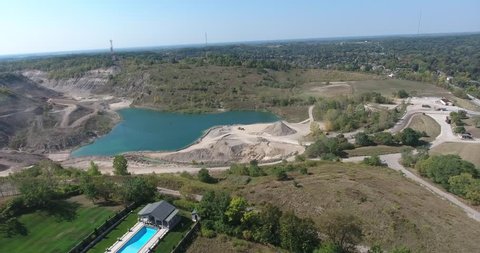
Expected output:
(121, 229)
(57, 230)
(174, 236)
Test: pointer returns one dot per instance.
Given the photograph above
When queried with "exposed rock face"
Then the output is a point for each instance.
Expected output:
(76, 87)
(15, 159)
(21, 103)
(30, 121)
(279, 129)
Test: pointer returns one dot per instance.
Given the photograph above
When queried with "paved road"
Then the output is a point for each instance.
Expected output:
(392, 160)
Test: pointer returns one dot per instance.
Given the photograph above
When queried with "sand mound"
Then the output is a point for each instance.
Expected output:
(279, 129)
(228, 150)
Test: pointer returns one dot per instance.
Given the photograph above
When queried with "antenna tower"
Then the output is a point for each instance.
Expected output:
(114, 58)
(206, 45)
(419, 22)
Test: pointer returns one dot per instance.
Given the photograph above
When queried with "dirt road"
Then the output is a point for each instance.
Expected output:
(72, 105)
(174, 193)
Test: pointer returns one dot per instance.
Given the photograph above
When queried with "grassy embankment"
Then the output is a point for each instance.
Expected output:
(424, 123)
(190, 88)
(394, 211)
(375, 150)
(227, 244)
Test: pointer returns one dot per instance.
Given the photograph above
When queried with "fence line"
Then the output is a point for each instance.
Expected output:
(100, 232)
(187, 240)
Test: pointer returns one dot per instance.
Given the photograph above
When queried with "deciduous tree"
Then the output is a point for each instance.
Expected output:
(120, 165)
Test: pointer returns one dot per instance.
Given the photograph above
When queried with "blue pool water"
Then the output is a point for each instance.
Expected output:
(138, 240)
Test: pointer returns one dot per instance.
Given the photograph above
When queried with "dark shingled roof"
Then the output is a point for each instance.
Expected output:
(160, 210)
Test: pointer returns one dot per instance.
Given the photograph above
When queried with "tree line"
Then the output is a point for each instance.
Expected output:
(46, 185)
(346, 114)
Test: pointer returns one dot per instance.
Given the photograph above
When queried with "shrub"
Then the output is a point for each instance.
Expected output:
(410, 137)
(460, 183)
(473, 192)
(459, 130)
(402, 94)
(299, 158)
(281, 174)
(362, 139)
(384, 138)
(204, 176)
(441, 168)
(303, 171)
(208, 233)
(373, 161)
(255, 171)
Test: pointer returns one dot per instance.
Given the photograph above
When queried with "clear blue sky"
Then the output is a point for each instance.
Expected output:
(28, 26)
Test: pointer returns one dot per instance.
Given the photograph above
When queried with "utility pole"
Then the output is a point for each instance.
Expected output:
(419, 22)
(206, 45)
(114, 58)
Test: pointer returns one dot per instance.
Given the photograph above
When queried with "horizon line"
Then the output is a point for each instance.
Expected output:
(200, 44)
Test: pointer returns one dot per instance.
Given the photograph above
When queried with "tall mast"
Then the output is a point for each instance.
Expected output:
(114, 58)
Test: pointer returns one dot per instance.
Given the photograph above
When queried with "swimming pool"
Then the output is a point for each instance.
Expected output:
(138, 240)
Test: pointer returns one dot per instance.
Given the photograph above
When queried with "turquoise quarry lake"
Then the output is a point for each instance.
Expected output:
(143, 129)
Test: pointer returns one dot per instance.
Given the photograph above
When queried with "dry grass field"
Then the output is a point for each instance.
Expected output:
(190, 88)
(335, 89)
(394, 211)
(389, 86)
(471, 127)
(424, 123)
(224, 244)
(368, 83)
(291, 113)
(467, 104)
(375, 150)
(468, 151)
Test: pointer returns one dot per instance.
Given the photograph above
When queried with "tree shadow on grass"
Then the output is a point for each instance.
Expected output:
(13, 227)
(63, 210)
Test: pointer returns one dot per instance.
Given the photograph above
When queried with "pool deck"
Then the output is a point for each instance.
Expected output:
(132, 231)
(153, 241)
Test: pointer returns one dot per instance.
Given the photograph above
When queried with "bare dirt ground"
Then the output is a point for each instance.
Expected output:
(12, 161)
(242, 143)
